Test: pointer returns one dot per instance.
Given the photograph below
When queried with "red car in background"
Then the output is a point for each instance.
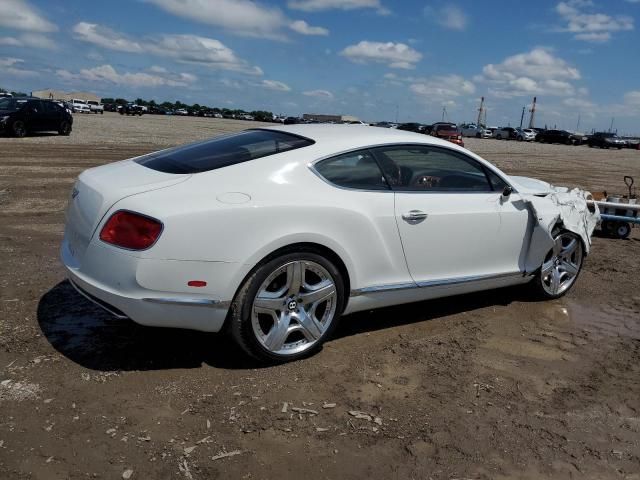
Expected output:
(448, 131)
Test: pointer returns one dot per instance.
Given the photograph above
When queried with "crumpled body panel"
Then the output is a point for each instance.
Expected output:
(563, 208)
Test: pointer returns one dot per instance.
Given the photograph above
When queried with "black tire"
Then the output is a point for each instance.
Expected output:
(477, 135)
(591, 145)
(239, 323)
(101, 112)
(499, 137)
(64, 128)
(622, 229)
(537, 284)
(19, 129)
(520, 139)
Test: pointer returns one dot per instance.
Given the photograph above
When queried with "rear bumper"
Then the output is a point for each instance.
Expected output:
(118, 282)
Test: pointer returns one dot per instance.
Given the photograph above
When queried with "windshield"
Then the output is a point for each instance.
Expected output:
(79, 101)
(90, 102)
(223, 151)
(11, 103)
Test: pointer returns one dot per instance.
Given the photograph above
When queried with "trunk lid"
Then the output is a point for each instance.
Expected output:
(98, 189)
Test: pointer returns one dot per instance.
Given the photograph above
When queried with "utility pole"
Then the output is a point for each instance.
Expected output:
(444, 114)
(533, 113)
(480, 110)
(611, 126)
(578, 124)
(522, 116)
(397, 111)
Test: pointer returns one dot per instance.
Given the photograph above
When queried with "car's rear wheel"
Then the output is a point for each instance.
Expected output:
(561, 266)
(64, 128)
(499, 137)
(288, 307)
(19, 129)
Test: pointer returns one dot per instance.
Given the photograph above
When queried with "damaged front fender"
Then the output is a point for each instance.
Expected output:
(561, 208)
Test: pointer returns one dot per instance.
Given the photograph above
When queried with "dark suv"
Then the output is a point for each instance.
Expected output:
(606, 140)
(21, 115)
(558, 136)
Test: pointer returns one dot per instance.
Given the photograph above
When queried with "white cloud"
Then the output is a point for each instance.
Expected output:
(395, 55)
(320, 5)
(532, 73)
(20, 15)
(13, 67)
(32, 40)
(200, 50)
(578, 103)
(241, 17)
(105, 37)
(319, 94)
(632, 98)
(453, 18)
(304, 28)
(108, 74)
(275, 85)
(591, 27)
(441, 88)
(182, 48)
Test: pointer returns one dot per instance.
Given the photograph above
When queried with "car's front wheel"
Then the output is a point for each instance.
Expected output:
(64, 128)
(288, 307)
(19, 129)
(561, 266)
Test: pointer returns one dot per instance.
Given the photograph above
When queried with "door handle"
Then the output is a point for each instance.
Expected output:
(414, 216)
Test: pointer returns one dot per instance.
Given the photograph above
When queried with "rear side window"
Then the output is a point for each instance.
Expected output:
(223, 151)
(357, 170)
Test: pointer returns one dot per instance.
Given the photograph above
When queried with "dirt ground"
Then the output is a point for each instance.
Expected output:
(484, 386)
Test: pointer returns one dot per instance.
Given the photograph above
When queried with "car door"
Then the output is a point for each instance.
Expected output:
(453, 222)
(34, 112)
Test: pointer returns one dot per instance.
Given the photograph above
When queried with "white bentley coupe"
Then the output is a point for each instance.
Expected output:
(272, 234)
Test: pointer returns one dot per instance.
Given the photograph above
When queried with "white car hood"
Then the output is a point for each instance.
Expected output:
(532, 186)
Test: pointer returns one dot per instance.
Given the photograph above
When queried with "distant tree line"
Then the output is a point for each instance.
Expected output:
(260, 115)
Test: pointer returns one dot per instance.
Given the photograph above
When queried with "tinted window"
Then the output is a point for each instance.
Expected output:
(51, 107)
(353, 170)
(223, 151)
(418, 168)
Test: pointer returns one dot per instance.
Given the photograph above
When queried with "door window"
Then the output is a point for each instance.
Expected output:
(431, 169)
(353, 170)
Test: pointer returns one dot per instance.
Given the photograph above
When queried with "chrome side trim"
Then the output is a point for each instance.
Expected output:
(382, 288)
(190, 302)
(433, 283)
(101, 304)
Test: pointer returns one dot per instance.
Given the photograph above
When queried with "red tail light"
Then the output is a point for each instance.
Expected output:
(131, 230)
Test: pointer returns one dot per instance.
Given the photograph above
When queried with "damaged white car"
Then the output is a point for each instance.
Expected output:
(273, 234)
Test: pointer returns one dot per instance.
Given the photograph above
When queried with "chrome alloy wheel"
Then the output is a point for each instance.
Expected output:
(562, 265)
(294, 307)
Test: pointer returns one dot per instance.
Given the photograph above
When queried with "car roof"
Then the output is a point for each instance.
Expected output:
(350, 137)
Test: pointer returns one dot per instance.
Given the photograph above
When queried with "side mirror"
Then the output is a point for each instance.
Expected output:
(506, 193)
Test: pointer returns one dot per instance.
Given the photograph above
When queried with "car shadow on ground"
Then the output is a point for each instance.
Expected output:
(90, 337)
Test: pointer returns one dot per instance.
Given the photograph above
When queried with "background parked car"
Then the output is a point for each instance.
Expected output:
(559, 136)
(130, 109)
(412, 127)
(606, 140)
(473, 130)
(95, 107)
(19, 116)
(526, 134)
(79, 106)
(506, 133)
(447, 131)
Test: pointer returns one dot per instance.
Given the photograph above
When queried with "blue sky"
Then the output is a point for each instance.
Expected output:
(371, 58)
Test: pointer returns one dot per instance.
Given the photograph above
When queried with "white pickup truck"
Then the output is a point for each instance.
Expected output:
(79, 106)
(96, 107)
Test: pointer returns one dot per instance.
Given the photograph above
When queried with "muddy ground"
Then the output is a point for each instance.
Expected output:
(484, 386)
